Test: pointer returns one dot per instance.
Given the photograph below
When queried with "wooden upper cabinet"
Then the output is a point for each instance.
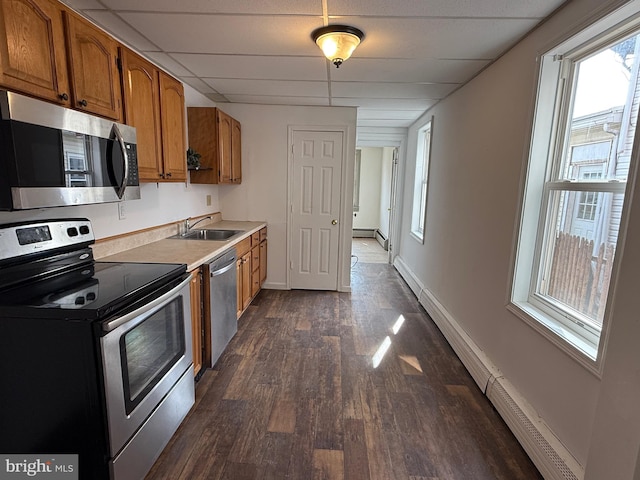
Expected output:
(236, 152)
(93, 68)
(154, 104)
(173, 128)
(217, 138)
(32, 49)
(54, 54)
(225, 130)
(142, 110)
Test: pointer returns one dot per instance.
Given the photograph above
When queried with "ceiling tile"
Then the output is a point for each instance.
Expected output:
(169, 64)
(254, 67)
(199, 85)
(254, 7)
(230, 34)
(452, 38)
(385, 103)
(278, 100)
(268, 87)
(391, 90)
(445, 8)
(411, 71)
(377, 114)
(120, 29)
(383, 123)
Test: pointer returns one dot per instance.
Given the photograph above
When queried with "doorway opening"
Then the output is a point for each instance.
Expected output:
(374, 204)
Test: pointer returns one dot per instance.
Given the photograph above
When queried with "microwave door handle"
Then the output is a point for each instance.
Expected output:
(125, 161)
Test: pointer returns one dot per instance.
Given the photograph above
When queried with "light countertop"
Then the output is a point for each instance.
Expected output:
(192, 252)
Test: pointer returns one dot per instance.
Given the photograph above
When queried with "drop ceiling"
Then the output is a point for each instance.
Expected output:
(415, 52)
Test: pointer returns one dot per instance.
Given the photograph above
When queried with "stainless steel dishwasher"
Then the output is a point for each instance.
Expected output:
(222, 302)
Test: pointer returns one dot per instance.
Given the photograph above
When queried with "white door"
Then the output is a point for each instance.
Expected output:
(315, 209)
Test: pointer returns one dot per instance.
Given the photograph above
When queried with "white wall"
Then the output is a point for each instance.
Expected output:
(368, 217)
(480, 141)
(160, 203)
(262, 196)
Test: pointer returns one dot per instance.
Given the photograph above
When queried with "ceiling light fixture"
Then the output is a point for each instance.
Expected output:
(337, 41)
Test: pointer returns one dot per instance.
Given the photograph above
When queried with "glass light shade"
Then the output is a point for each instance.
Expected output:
(338, 46)
(337, 42)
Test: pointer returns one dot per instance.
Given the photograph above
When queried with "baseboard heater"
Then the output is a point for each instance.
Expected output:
(382, 240)
(363, 233)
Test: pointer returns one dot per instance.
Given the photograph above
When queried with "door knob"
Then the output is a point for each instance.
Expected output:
(334, 222)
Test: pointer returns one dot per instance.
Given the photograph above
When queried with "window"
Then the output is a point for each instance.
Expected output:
(420, 186)
(579, 164)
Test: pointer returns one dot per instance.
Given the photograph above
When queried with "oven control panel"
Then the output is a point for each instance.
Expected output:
(24, 238)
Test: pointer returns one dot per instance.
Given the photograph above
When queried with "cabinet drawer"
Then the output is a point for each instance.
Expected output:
(243, 246)
(263, 234)
(255, 258)
(255, 282)
(255, 239)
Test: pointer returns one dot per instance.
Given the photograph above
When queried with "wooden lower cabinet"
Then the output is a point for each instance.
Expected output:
(196, 319)
(251, 267)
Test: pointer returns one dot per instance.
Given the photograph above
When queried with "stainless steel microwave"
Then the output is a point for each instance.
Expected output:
(52, 156)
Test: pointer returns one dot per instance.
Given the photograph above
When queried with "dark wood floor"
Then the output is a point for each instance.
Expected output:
(296, 396)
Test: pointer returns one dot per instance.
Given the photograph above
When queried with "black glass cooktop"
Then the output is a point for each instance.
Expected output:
(91, 291)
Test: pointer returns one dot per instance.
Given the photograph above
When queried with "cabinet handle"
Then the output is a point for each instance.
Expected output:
(63, 96)
(83, 102)
(169, 174)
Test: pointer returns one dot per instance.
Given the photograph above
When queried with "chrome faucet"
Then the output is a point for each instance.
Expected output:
(188, 226)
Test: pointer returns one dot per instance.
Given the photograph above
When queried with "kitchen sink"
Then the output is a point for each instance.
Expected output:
(208, 234)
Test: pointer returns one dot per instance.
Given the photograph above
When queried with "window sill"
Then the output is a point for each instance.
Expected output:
(572, 344)
(417, 237)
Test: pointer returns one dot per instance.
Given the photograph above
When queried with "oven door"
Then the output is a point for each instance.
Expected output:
(144, 354)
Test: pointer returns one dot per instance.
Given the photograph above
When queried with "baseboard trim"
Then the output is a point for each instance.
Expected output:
(547, 452)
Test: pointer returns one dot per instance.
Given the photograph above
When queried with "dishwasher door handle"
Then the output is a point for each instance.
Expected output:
(225, 269)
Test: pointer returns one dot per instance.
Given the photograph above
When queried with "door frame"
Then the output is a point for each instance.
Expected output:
(398, 140)
(345, 220)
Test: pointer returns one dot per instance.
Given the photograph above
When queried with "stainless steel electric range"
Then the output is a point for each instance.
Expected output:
(95, 357)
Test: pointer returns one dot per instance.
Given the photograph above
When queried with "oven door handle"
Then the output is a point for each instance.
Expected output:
(155, 304)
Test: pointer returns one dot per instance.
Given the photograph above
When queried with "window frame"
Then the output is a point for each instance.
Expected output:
(549, 138)
(421, 180)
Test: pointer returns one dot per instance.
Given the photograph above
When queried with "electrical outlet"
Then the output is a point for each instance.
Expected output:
(122, 212)
(208, 200)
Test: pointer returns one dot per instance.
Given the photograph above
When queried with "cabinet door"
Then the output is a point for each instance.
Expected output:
(142, 110)
(246, 280)
(196, 320)
(32, 49)
(174, 152)
(255, 270)
(225, 129)
(93, 67)
(263, 262)
(236, 152)
(203, 138)
(239, 299)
